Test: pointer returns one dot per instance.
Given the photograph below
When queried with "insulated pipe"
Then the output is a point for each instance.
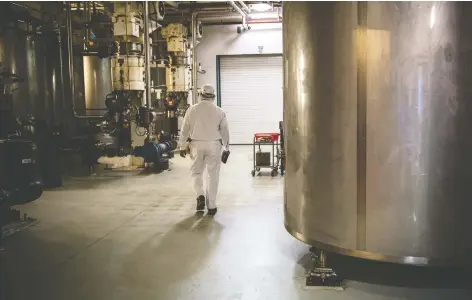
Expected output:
(147, 57)
(244, 6)
(71, 66)
(194, 59)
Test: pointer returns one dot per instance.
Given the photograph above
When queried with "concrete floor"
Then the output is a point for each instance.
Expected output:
(138, 237)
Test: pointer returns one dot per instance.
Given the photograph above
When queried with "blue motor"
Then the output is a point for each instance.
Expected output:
(155, 153)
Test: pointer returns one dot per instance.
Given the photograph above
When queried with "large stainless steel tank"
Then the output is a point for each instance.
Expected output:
(35, 59)
(378, 125)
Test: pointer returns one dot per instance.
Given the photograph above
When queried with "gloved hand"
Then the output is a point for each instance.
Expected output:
(183, 153)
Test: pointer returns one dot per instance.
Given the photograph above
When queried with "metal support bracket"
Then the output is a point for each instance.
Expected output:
(321, 276)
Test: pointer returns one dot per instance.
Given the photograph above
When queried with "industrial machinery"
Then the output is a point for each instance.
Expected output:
(177, 73)
(156, 153)
(101, 78)
(128, 68)
(19, 178)
(377, 120)
(137, 107)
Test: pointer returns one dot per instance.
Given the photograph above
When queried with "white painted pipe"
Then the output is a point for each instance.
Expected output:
(245, 7)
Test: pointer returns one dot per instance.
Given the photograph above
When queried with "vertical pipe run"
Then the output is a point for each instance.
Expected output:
(194, 58)
(147, 58)
(69, 50)
(61, 68)
(88, 18)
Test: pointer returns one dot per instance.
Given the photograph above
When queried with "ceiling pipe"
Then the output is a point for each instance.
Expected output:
(269, 21)
(244, 26)
(233, 4)
(232, 19)
(180, 12)
(245, 7)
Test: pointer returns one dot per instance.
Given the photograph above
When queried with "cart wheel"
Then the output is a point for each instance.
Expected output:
(253, 173)
(258, 169)
(273, 173)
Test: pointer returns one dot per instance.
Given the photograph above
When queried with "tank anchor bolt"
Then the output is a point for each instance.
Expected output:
(323, 277)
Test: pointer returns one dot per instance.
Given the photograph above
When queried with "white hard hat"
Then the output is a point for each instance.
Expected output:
(208, 92)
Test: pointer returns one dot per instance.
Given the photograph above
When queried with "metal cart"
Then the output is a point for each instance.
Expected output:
(268, 159)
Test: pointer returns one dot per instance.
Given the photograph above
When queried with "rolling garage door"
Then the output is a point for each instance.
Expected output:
(251, 95)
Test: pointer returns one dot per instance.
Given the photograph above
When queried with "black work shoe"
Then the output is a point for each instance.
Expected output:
(212, 212)
(200, 203)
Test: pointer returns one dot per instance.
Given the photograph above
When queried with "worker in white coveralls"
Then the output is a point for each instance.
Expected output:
(205, 134)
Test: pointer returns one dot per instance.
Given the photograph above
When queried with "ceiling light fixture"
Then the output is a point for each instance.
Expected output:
(261, 7)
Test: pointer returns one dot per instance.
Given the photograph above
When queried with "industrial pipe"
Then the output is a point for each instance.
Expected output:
(242, 13)
(147, 57)
(87, 30)
(194, 58)
(71, 66)
(61, 69)
(262, 21)
(236, 7)
(230, 20)
(182, 12)
(213, 16)
(245, 7)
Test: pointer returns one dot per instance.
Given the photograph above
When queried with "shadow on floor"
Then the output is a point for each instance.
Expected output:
(165, 261)
(394, 275)
(32, 259)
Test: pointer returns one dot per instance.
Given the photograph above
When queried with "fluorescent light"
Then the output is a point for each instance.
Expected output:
(267, 15)
(261, 7)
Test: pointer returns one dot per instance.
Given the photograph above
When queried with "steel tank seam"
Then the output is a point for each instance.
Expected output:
(361, 125)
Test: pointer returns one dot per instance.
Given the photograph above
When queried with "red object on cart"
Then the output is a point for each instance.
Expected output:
(266, 159)
(270, 137)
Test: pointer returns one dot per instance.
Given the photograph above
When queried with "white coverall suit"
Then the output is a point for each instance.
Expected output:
(206, 125)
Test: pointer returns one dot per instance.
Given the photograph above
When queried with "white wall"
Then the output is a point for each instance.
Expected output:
(224, 40)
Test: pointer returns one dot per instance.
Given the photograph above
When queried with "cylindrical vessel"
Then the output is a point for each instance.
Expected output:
(34, 58)
(97, 83)
(128, 73)
(378, 129)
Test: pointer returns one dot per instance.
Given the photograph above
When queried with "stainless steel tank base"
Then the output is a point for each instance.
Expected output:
(407, 260)
(322, 276)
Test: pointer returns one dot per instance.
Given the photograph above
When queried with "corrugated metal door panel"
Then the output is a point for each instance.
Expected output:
(251, 95)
